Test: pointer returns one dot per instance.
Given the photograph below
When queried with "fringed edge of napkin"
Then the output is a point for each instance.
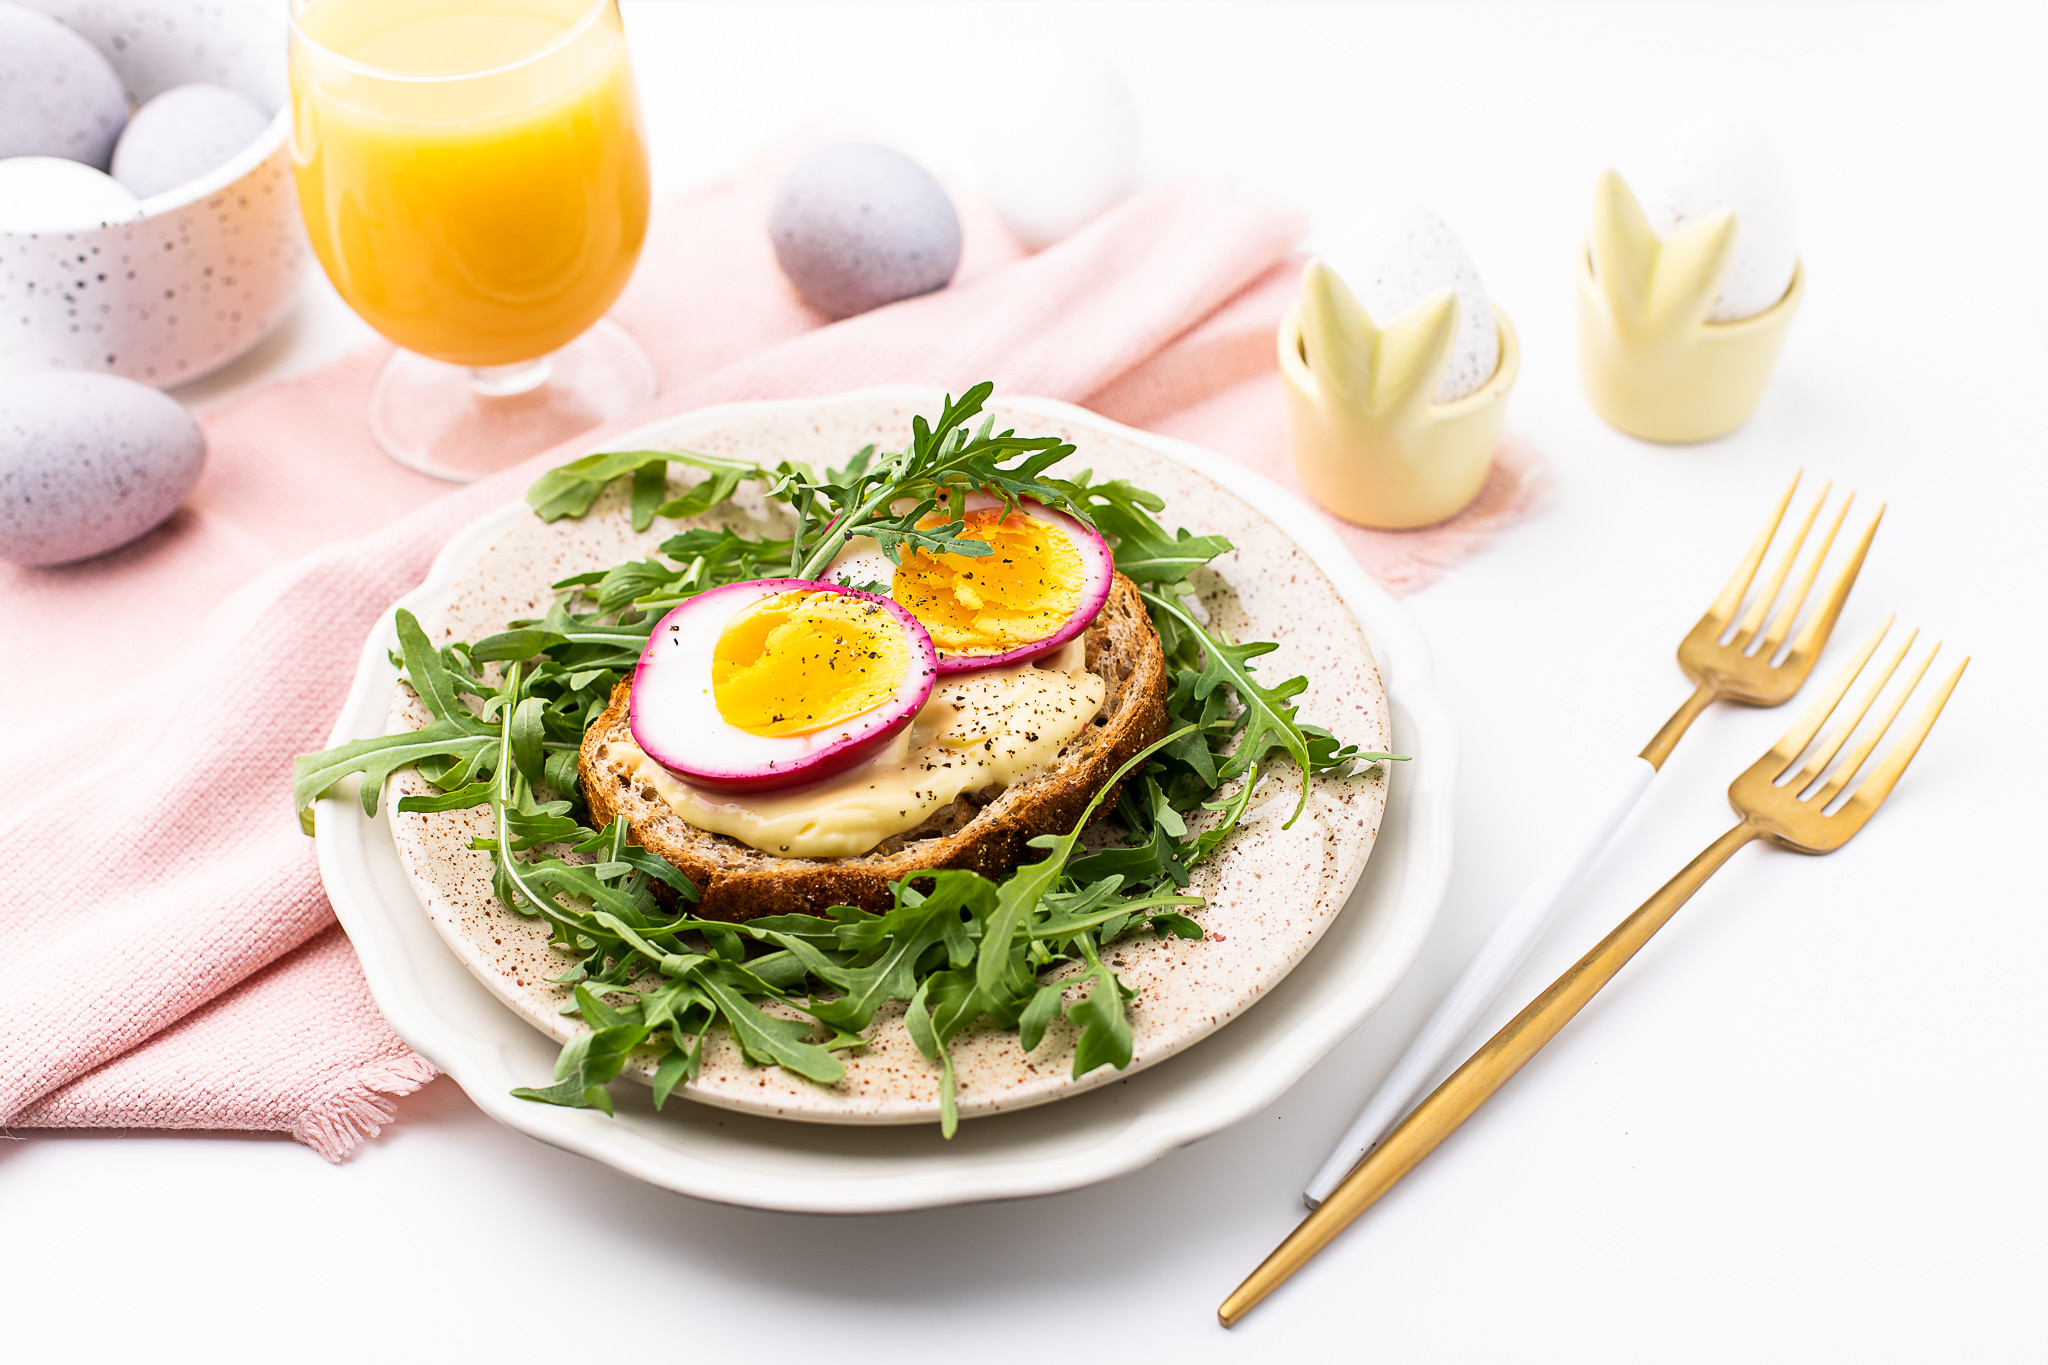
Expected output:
(359, 1110)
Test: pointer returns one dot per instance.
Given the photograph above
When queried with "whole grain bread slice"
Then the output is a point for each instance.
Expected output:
(985, 832)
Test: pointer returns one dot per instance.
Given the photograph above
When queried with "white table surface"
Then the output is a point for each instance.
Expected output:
(1805, 1123)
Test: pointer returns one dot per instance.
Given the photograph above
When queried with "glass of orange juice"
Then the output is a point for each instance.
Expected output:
(473, 176)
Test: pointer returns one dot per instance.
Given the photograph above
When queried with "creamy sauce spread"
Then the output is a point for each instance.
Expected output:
(979, 731)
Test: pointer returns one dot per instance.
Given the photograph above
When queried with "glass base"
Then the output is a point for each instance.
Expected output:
(461, 424)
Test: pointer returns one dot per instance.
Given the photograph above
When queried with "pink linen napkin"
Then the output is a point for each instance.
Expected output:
(167, 956)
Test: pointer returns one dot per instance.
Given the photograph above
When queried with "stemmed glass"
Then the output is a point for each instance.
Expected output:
(473, 176)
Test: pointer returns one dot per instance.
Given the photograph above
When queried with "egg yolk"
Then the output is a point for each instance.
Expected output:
(799, 661)
(986, 604)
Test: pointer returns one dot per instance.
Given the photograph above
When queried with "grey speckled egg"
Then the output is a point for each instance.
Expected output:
(184, 133)
(1405, 255)
(856, 226)
(58, 95)
(88, 462)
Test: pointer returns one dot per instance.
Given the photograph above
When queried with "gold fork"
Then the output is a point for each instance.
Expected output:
(1743, 669)
(1776, 803)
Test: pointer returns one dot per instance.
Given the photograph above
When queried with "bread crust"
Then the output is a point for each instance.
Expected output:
(736, 881)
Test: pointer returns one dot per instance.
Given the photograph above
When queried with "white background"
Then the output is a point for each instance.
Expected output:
(1805, 1123)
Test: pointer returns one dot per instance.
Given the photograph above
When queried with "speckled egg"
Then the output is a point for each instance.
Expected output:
(51, 194)
(856, 226)
(1400, 258)
(1064, 154)
(1717, 161)
(88, 462)
(58, 95)
(184, 133)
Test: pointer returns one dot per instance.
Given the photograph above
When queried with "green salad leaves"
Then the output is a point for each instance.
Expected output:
(653, 981)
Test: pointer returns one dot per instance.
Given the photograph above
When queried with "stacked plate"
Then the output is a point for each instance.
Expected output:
(1309, 928)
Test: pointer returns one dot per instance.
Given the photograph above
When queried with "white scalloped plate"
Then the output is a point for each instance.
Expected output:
(454, 1019)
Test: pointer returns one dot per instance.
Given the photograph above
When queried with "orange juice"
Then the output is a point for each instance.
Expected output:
(472, 173)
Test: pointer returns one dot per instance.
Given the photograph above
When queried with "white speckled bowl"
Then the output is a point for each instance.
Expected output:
(208, 268)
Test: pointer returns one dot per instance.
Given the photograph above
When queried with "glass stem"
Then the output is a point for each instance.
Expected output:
(504, 381)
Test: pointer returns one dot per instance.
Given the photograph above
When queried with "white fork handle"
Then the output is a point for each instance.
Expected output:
(1482, 981)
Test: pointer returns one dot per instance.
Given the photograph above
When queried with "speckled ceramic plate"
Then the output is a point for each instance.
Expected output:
(1272, 892)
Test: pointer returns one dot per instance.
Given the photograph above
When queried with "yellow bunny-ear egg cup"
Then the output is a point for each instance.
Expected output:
(1651, 364)
(1368, 441)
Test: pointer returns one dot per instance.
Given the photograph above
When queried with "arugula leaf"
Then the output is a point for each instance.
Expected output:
(650, 489)
(1039, 1014)
(589, 1062)
(527, 734)
(1145, 553)
(723, 481)
(429, 674)
(1020, 893)
(379, 756)
(1105, 1027)
(561, 771)
(916, 924)
(924, 1035)
(569, 490)
(765, 1038)
(1268, 712)
(1179, 926)
(621, 584)
(679, 1065)
(462, 798)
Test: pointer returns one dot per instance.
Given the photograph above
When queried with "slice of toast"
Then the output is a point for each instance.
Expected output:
(982, 831)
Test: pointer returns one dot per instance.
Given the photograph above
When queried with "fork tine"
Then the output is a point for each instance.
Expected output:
(1775, 636)
(1822, 624)
(1755, 616)
(1879, 784)
(1861, 751)
(1874, 680)
(1724, 606)
(1787, 750)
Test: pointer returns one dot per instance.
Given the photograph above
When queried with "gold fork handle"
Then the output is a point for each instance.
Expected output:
(1660, 746)
(1472, 1084)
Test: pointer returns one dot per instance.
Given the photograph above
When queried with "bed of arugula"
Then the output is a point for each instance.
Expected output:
(508, 714)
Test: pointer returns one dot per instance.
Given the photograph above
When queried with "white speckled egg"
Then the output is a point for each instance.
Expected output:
(856, 226)
(88, 462)
(1062, 151)
(1713, 162)
(50, 194)
(58, 95)
(184, 133)
(1401, 258)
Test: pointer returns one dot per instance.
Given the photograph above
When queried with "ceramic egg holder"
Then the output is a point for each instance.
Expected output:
(1369, 442)
(1651, 363)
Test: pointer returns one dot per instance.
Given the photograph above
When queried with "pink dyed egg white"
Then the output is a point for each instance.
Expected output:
(1085, 580)
(676, 716)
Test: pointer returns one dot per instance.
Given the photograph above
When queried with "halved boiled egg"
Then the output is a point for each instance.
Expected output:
(1043, 582)
(778, 681)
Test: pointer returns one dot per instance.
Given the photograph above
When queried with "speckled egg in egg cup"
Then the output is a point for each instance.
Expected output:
(1651, 363)
(1369, 441)
(205, 270)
